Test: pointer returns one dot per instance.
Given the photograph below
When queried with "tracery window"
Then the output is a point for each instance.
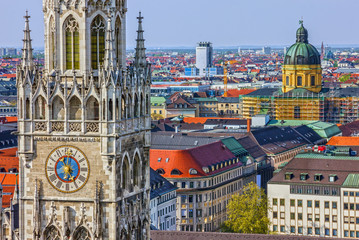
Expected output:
(82, 234)
(98, 30)
(72, 42)
(52, 43)
(52, 234)
(118, 40)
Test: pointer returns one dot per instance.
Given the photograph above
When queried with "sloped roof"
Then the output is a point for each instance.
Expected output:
(308, 133)
(8, 181)
(159, 185)
(195, 158)
(234, 146)
(343, 141)
(252, 147)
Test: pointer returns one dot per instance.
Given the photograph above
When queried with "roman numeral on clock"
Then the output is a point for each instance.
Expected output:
(52, 177)
(59, 184)
(67, 187)
(82, 178)
(50, 168)
(84, 169)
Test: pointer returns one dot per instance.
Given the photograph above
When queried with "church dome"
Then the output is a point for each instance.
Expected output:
(302, 52)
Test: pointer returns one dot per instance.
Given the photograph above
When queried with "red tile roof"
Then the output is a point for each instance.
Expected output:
(202, 120)
(237, 93)
(8, 182)
(195, 158)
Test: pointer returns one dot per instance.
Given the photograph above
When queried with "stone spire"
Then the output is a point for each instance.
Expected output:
(140, 58)
(27, 58)
(110, 59)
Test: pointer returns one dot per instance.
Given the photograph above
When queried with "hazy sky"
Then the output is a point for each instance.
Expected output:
(173, 23)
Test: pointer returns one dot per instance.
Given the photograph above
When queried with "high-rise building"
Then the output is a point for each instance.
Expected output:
(2, 51)
(84, 127)
(204, 57)
(267, 50)
(11, 52)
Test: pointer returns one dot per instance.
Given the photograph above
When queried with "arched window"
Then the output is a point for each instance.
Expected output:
(40, 108)
(28, 113)
(110, 110)
(118, 40)
(123, 108)
(135, 109)
(125, 170)
(98, 30)
(299, 81)
(117, 109)
(52, 233)
(176, 172)
(52, 43)
(103, 109)
(72, 44)
(297, 112)
(82, 234)
(92, 109)
(75, 109)
(136, 171)
(160, 171)
(141, 106)
(129, 106)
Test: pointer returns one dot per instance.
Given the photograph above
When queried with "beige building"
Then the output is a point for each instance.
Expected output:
(84, 128)
(316, 195)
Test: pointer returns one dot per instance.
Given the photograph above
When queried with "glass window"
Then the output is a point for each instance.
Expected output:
(191, 184)
(317, 204)
(282, 215)
(300, 216)
(275, 214)
(317, 217)
(287, 80)
(299, 81)
(317, 231)
(345, 193)
(346, 233)
(292, 216)
(275, 201)
(292, 202)
(190, 198)
(300, 203)
(327, 232)
(309, 203)
(327, 218)
(326, 204)
(72, 44)
(292, 229)
(190, 213)
(310, 231)
(97, 42)
(183, 184)
(183, 213)
(282, 228)
(352, 234)
(335, 232)
(310, 217)
(312, 80)
(335, 218)
(275, 228)
(282, 202)
(300, 230)
(346, 206)
(352, 206)
(183, 199)
(351, 194)
(334, 205)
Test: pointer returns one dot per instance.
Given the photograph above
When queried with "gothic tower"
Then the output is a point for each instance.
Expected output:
(84, 127)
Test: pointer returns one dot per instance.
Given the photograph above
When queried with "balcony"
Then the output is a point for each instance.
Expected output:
(40, 125)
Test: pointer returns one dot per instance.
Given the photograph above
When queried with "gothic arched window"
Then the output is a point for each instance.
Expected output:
(117, 109)
(27, 109)
(51, 233)
(75, 109)
(58, 109)
(97, 42)
(141, 105)
(110, 110)
(40, 108)
(82, 234)
(72, 44)
(125, 170)
(129, 105)
(135, 109)
(123, 108)
(20, 108)
(118, 40)
(136, 171)
(92, 109)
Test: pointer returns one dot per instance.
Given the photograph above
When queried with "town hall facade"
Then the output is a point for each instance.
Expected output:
(84, 127)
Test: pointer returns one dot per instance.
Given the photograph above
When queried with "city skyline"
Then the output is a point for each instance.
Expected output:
(184, 23)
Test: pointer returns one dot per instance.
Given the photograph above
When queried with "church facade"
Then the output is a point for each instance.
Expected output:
(84, 127)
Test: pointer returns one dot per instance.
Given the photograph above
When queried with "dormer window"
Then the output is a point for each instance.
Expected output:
(205, 169)
(160, 171)
(288, 175)
(176, 172)
(332, 177)
(193, 171)
(318, 177)
(303, 176)
(159, 159)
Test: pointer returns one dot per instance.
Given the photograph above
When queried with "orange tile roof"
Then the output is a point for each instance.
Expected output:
(237, 93)
(344, 141)
(11, 119)
(8, 182)
(201, 120)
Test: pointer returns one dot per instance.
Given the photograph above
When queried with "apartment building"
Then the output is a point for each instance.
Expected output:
(317, 194)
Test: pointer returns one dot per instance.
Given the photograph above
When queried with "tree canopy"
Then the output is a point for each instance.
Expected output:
(247, 212)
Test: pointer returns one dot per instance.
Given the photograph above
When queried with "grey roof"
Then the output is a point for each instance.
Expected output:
(159, 185)
(308, 134)
(267, 92)
(226, 122)
(228, 99)
(179, 141)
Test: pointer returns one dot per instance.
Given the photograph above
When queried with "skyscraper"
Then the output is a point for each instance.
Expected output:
(204, 57)
(84, 127)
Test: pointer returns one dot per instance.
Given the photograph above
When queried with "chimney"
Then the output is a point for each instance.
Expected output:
(249, 123)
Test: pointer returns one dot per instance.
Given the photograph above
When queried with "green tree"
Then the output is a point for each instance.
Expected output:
(247, 212)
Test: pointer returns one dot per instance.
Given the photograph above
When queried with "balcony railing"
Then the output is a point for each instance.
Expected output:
(40, 126)
(57, 126)
(75, 126)
(92, 127)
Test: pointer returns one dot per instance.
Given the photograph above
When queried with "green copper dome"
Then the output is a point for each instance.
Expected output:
(302, 52)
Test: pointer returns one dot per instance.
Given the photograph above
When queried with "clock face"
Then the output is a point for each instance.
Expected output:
(67, 169)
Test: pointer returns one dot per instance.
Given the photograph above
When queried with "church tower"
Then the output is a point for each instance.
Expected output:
(302, 68)
(84, 127)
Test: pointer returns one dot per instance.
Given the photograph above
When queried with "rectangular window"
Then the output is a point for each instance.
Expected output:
(346, 233)
(275, 228)
(275, 214)
(299, 81)
(317, 231)
(317, 217)
(334, 205)
(345, 193)
(335, 232)
(190, 213)
(327, 218)
(317, 204)
(292, 216)
(312, 80)
(346, 206)
(292, 202)
(282, 202)
(300, 230)
(326, 204)
(292, 229)
(300, 216)
(352, 206)
(310, 217)
(352, 234)
(327, 232)
(309, 203)
(335, 218)
(300, 203)
(190, 198)
(282, 215)
(191, 185)
(303, 176)
(183, 199)
(183, 213)
(287, 80)
(183, 184)
(310, 231)
(282, 228)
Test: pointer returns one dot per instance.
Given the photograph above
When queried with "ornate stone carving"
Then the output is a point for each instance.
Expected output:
(92, 127)
(37, 213)
(41, 126)
(57, 126)
(75, 127)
